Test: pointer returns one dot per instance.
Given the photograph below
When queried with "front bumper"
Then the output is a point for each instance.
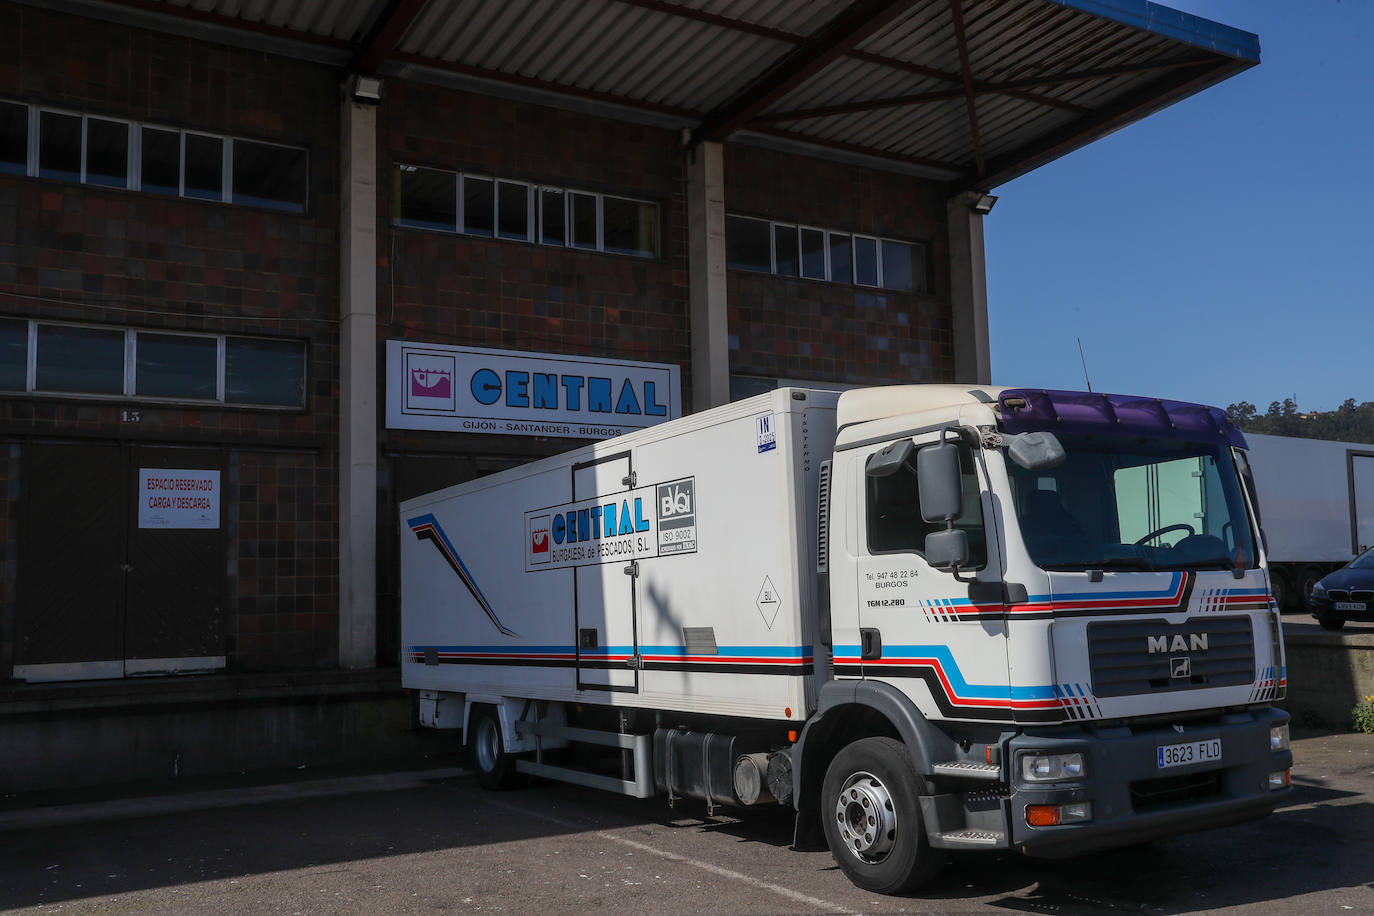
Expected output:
(1323, 607)
(1132, 799)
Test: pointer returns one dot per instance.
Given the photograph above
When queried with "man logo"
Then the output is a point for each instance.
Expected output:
(1181, 667)
(1196, 642)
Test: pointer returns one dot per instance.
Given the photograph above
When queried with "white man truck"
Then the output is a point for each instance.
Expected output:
(926, 617)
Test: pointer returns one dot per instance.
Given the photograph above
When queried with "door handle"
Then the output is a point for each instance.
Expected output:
(870, 644)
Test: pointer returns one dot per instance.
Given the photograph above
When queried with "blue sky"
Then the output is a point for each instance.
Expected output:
(1219, 250)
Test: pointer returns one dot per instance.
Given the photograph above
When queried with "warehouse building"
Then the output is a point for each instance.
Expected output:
(269, 268)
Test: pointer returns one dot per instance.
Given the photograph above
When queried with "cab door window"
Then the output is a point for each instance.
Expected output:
(894, 523)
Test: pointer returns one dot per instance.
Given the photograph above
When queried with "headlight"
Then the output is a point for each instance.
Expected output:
(1319, 591)
(1052, 767)
(1278, 738)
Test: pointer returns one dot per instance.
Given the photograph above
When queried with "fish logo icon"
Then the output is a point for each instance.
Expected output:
(539, 539)
(431, 383)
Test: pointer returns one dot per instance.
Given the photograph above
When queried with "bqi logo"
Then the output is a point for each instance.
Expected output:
(676, 501)
(539, 539)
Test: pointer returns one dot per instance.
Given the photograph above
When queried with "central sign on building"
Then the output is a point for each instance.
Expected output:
(474, 390)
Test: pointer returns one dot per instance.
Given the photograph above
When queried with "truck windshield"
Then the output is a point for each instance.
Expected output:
(1128, 503)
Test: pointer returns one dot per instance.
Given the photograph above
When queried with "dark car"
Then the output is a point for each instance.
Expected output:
(1346, 594)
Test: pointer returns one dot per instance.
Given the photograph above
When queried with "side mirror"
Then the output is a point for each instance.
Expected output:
(940, 481)
(1036, 451)
(947, 549)
(889, 459)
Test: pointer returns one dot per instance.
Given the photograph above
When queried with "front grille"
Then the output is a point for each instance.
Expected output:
(1152, 656)
(1342, 594)
(1149, 794)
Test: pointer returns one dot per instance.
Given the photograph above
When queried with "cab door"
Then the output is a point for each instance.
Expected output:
(939, 636)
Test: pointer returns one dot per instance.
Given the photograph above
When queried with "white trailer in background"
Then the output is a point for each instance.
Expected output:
(1316, 506)
(927, 618)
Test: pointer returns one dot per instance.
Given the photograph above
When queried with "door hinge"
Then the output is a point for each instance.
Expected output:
(629, 479)
(632, 569)
(635, 661)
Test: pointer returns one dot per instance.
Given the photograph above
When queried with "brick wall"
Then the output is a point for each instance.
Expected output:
(77, 253)
(812, 329)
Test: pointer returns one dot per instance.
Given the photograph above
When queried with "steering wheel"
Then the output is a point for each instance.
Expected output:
(1181, 526)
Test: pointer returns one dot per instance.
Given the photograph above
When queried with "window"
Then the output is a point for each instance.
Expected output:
(176, 366)
(813, 254)
(59, 146)
(894, 513)
(584, 221)
(553, 216)
(14, 354)
(84, 360)
(748, 244)
(513, 210)
(865, 261)
(841, 258)
(428, 198)
(630, 227)
(161, 161)
(14, 138)
(268, 372)
(203, 167)
(500, 208)
(89, 149)
(89, 360)
(268, 175)
(819, 254)
(479, 206)
(785, 250)
(898, 266)
(107, 153)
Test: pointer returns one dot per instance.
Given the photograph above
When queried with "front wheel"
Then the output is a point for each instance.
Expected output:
(872, 815)
(1331, 623)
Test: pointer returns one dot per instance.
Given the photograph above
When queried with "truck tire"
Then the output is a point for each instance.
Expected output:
(1307, 580)
(872, 814)
(1278, 586)
(494, 768)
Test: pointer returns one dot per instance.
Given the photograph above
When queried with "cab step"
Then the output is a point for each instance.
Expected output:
(968, 769)
(969, 839)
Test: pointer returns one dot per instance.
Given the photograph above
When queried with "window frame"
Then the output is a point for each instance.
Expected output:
(919, 253)
(535, 195)
(966, 452)
(130, 368)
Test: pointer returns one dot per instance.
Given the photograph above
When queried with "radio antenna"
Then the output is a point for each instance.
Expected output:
(1084, 360)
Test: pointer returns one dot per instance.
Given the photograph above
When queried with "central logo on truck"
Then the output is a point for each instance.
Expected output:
(636, 524)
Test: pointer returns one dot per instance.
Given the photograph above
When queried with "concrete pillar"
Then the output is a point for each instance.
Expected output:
(968, 292)
(358, 389)
(706, 276)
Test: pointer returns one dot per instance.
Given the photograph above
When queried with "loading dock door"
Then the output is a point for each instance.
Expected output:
(71, 576)
(101, 595)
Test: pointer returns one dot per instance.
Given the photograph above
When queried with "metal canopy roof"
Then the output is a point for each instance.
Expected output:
(974, 92)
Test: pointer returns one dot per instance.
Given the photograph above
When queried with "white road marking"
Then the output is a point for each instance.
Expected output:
(794, 896)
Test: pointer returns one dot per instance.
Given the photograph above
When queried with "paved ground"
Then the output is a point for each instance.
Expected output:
(433, 841)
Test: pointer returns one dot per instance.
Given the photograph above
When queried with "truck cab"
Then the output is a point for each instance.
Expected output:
(1054, 605)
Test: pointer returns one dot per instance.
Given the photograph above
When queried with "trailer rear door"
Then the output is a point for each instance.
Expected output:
(607, 631)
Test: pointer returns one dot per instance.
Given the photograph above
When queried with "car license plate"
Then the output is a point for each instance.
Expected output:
(1177, 755)
(1348, 605)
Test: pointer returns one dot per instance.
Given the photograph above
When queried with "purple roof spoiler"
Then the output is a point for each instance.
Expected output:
(1028, 410)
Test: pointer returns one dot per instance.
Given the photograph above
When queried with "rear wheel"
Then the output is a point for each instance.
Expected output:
(871, 810)
(1307, 580)
(1278, 586)
(495, 769)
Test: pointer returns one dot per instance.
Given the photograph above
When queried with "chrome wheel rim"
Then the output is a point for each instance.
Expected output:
(866, 817)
